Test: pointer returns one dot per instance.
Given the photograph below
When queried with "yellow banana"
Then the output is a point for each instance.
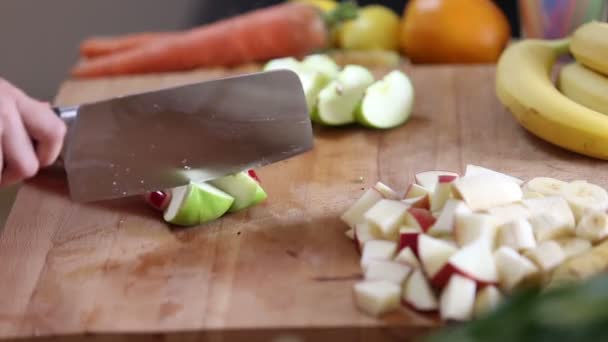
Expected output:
(524, 86)
(584, 86)
(589, 46)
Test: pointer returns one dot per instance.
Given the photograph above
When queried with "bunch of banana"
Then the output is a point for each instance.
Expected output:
(573, 113)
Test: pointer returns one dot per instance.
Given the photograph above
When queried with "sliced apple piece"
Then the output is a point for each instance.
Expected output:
(355, 214)
(387, 215)
(545, 186)
(487, 300)
(458, 299)
(582, 195)
(546, 255)
(392, 271)
(377, 297)
(365, 232)
(486, 190)
(338, 100)
(323, 64)
(517, 234)
(184, 207)
(415, 191)
(474, 170)
(417, 293)
(513, 268)
(407, 256)
(241, 186)
(443, 192)
(387, 102)
(593, 226)
(471, 227)
(408, 238)
(509, 212)
(429, 179)
(474, 261)
(422, 202)
(550, 217)
(433, 254)
(419, 218)
(445, 222)
(386, 191)
(377, 250)
(573, 246)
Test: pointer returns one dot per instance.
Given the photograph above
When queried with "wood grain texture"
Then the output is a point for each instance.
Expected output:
(115, 268)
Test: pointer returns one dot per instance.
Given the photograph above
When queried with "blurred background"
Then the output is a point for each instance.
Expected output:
(39, 39)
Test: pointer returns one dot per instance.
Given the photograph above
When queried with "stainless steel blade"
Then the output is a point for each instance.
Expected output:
(166, 138)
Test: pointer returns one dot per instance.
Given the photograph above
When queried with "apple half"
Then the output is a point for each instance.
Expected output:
(387, 102)
(338, 100)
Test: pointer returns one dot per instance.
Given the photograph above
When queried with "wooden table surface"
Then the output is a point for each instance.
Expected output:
(114, 268)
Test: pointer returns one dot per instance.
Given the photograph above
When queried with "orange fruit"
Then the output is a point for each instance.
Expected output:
(453, 31)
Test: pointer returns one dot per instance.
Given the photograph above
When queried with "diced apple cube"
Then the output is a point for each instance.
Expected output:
(419, 218)
(355, 213)
(433, 254)
(429, 179)
(458, 299)
(408, 238)
(365, 232)
(513, 268)
(416, 190)
(509, 212)
(392, 271)
(485, 191)
(407, 256)
(443, 192)
(444, 225)
(475, 261)
(517, 234)
(387, 215)
(550, 217)
(377, 250)
(417, 293)
(470, 227)
(386, 191)
(377, 297)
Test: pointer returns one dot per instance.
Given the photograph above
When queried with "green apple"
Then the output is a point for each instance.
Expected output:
(312, 80)
(323, 64)
(387, 103)
(240, 186)
(184, 208)
(260, 196)
(213, 202)
(338, 100)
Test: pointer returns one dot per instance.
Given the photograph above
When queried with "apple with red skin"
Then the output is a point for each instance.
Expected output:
(419, 218)
(408, 237)
(429, 179)
(418, 294)
(442, 192)
(475, 261)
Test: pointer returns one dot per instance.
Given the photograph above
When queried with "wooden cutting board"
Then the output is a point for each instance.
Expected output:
(115, 267)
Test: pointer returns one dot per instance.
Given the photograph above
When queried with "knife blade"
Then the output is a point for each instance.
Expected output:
(166, 138)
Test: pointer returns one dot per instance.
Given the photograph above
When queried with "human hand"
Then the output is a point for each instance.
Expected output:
(31, 135)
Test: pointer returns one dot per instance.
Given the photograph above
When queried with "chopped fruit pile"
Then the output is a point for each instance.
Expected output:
(458, 245)
(337, 97)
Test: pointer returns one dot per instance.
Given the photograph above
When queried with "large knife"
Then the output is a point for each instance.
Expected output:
(166, 138)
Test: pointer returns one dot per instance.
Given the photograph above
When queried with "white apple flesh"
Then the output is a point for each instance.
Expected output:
(445, 222)
(355, 213)
(416, 190)
(486, 190)
(387, 215)
(419, 218)
(392, 271)
(457, 299)
(433, 254)
(513, 268)
(474, 261)
(471, 227)
(443, 192)
(377, 297)
(429, 179)
(386, 191)
(474, 170)
(377, 250)
(407, 256)
(510, 212)
(418, 294)
(365, 232)
(517, 234)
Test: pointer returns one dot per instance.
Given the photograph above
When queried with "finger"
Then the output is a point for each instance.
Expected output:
(44, 127)
(19, 156)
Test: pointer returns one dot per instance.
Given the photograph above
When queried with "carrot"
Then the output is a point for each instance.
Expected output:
(287, 29)
(101, 46)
